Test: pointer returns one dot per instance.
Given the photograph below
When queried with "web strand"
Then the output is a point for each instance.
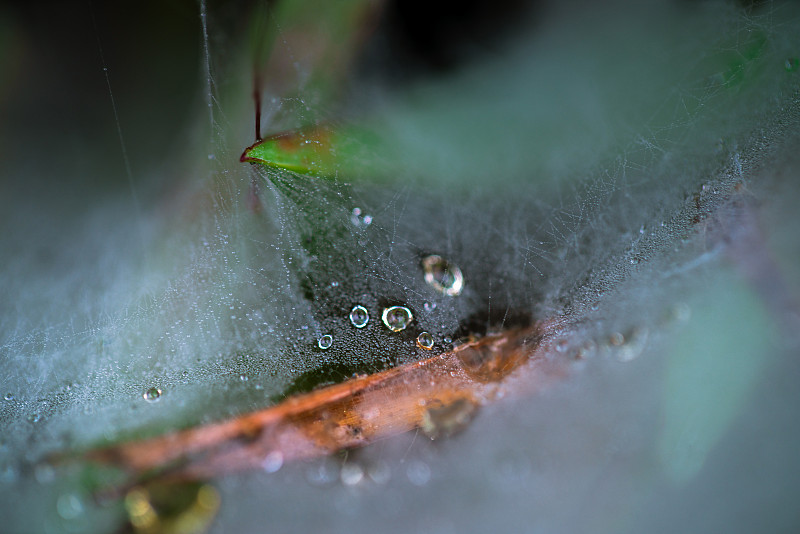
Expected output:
(207, 62)
(122, 144)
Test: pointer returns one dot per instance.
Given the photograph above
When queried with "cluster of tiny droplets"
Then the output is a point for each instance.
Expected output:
(440, 274)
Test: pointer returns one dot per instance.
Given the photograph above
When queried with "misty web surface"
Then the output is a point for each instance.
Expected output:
(631, 173)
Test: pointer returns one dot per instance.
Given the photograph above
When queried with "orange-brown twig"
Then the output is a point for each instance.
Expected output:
(346, 415)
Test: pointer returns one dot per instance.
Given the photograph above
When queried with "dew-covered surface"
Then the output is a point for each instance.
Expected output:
(631, 169)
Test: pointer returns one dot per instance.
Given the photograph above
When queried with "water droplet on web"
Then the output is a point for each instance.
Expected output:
(359, 316)
(425, 341)
(69, 506)
(360, 219)
(397, 318)
(616, 339)
(351, 474)
(35, 418)
(243, 378)
(152, 395)
(442, 275)
(9, 396)
(325, 342)
(429, 306)
(273, 462)
(634, 345)
(418, 472)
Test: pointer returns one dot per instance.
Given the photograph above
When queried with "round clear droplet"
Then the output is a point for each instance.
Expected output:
(442, 275)
(425, 341)
(359, 316)
(616, 339)
(418, 472)
(325, 342)
(152, 395)
(273, 462)
(69, 506)
(359, 218)
(634, 345)
(397, 318)
(351, 474)
(9, 396)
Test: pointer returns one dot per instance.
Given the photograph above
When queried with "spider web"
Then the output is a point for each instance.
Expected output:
(564, 178)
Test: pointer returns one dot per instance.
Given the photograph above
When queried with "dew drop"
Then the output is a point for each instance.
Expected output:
(425, 341)
(634, 345)
(9, 396)
(273, 462)
(359, 316)
(397, 318)
(351, 474)
(429, 306)
(418, 472)
(69, 506)
(152, 395)
(360, 219)
(442, 275)
(616, 339)
(325, 342)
